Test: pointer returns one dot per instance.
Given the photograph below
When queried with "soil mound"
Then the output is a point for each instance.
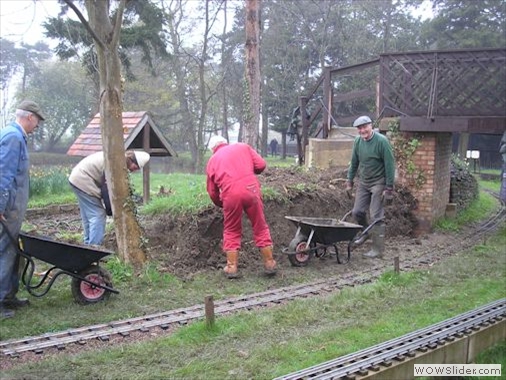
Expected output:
(188, 244)
(191, 243)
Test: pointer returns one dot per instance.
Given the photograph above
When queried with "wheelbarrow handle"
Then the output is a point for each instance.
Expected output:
(370, 226)
(345, 216)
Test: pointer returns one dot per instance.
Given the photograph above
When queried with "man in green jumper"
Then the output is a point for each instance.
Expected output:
(373, 160)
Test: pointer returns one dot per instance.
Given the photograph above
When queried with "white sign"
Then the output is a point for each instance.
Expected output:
(475, 154)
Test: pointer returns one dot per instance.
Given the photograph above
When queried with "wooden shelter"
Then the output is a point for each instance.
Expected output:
(139, 132)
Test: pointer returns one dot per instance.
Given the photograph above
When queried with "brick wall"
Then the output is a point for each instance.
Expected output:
(433, 158)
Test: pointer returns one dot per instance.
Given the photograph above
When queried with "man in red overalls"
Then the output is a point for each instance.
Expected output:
(233, 185)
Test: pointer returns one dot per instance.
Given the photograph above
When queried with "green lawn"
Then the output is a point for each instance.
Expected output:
(265, 343)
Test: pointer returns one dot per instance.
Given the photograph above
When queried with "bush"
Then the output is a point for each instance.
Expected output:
(463, 186)
(51, 180)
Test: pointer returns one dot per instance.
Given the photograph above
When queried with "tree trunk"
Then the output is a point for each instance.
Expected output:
(224, 128)
(127, 228)
(252, 51)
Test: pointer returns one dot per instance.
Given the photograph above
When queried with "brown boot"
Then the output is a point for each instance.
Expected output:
(231, 268)
(269, 262)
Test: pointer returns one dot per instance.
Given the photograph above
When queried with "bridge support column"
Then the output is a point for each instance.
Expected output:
(433, 158)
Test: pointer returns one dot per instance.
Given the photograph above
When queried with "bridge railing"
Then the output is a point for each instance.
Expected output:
(459, 83)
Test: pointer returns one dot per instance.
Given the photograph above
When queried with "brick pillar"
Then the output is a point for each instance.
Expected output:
(433, 158)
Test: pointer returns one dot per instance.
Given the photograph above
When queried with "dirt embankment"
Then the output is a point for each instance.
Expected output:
(192, 243)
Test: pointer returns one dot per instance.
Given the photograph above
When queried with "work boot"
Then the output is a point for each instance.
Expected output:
(15, 303)
(231, 268)
(269, 262)
(378, 242)
(6, 313)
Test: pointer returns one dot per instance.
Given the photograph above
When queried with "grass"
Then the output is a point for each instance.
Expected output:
(477, 210)
(286, 338)
(186, 193)
(267, 343)
(173, 193)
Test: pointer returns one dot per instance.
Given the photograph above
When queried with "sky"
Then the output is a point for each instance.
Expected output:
(20, 20)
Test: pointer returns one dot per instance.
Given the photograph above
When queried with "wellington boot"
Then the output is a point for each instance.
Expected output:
(269, 262)
(378, 242)
(231, 268)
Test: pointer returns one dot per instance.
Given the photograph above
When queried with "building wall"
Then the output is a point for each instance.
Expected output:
(332, 152)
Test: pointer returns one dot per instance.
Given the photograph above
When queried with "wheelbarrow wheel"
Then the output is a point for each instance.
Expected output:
(302, 254)
(86, 293)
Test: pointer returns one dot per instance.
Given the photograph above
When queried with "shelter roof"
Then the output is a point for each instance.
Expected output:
(134, 125)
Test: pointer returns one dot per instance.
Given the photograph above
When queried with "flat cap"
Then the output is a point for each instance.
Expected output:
(30, 106)
(362, 120)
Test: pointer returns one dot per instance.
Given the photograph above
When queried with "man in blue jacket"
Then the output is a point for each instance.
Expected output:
(14, 186)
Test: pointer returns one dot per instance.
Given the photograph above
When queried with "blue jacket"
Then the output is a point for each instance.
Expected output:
(14, 172)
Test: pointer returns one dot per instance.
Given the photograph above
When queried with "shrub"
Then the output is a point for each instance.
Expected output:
(51, 180)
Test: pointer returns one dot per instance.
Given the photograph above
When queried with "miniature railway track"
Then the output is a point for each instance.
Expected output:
(170, 320)
(361, 363)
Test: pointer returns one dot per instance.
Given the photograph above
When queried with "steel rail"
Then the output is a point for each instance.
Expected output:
(384, 353)
(175, 317)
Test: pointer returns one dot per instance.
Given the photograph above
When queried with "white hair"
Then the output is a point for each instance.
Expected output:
(216, 140)
(22, 113)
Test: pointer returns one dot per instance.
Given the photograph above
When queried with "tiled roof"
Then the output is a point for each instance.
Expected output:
(90, 140)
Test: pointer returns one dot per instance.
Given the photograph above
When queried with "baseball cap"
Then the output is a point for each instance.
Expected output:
(30, 106)
(142, 158)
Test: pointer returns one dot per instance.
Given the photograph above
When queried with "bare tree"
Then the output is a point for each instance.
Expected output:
(224, 130)
(252, 93)
(104, 26)
(194, 71)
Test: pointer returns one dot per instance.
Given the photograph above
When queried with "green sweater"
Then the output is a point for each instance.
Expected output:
(373, 159)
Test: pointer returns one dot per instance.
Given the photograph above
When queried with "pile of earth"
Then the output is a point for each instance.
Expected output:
(191, 243)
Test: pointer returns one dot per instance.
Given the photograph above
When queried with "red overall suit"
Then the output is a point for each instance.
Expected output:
(233, 185)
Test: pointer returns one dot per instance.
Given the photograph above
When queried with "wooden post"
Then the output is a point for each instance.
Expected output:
(146, 145)
(209, 307)
(396, 265)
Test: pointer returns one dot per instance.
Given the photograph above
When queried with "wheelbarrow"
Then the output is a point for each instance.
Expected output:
(319, 237)
(90, 282)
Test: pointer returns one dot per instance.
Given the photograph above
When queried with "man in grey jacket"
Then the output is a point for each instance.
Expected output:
(14, 188)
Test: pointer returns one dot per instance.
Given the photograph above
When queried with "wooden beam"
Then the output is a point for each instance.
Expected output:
(353, 68)
(483, 125)
(353, 95)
